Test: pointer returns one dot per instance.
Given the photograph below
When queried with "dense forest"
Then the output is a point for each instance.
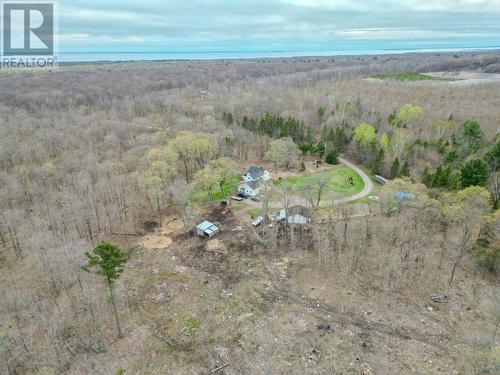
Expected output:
(107, 151)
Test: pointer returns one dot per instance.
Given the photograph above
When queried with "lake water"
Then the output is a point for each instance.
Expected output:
(225, 55)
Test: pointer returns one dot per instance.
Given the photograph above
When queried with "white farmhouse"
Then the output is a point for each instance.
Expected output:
(256, 173)
(253, 180)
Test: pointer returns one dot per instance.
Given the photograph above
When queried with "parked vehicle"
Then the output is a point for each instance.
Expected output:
(258, 221)
(236, 198)
(255, 199)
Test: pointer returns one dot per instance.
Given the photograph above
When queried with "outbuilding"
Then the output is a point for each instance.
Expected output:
(299, 215)
(207, 229)
(381, 179)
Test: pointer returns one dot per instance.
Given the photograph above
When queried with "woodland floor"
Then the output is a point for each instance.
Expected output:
(201, 304)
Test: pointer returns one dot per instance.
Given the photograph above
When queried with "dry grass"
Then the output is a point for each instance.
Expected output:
(161, 237)
(200, 304)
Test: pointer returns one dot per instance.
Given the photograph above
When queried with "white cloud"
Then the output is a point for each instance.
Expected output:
(404, 33)
(277, 22)
(73, 36)
(415, 5)
(329, 4)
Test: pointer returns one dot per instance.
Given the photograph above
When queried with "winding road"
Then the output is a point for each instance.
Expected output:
(293, 200)
(366, 181)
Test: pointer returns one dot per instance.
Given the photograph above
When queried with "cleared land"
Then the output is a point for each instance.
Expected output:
(229, 187)
(339, 182)
(205, 304)
(411, 76)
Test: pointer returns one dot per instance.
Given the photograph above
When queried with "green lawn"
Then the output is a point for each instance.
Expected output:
(255, 212)
(411, 76)
(239, 206)
(339, 181)
(229, 187)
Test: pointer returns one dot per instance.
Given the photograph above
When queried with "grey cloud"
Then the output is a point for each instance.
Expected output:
(252, 23)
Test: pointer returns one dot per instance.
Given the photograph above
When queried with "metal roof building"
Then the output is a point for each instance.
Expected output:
(207, 229)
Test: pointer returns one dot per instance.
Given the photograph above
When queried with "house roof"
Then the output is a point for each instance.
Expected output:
(298, 219)
(253, 184)
(207, 227)
(256, 172)
(299, 210)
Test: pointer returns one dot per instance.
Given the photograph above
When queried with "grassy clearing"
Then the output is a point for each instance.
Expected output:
(255, 212)
(375, 190)
(339, 181)
(410, 76)
(191, 326)
(230, 187)
(239, 206)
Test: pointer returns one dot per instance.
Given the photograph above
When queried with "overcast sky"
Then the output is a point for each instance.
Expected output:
(271, 25)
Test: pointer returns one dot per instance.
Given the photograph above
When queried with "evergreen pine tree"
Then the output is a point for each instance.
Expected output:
(395, 168)
(475, 173)
(332, 157)
(405, 171)
(377, 162)
(320, 149)
(107, 260)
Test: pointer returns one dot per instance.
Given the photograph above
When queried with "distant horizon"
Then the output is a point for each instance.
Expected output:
(125, 56)
(274, 27)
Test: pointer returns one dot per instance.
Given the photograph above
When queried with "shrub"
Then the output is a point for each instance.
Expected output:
(332, 157)
(475, 173)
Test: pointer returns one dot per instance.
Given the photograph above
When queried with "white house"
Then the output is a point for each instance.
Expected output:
(256, 173)
(253, 180)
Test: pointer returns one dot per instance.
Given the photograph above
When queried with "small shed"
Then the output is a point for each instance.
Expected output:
(381, 179)
(207, 229)
(299, 215)
(282, 215)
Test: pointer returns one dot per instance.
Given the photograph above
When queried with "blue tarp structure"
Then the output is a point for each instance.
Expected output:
(404, 196)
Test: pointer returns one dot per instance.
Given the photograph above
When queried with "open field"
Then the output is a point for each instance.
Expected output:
(338, 181)
(465, 78)
(411, 76)
(229, 188)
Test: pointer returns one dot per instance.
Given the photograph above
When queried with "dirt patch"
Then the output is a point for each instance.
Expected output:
(154, 241)
(161, 237)
(467, 77)
(216, 245)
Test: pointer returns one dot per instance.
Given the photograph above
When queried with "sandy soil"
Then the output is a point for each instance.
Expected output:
(161, 237)
(462, 78)
(467, 77)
